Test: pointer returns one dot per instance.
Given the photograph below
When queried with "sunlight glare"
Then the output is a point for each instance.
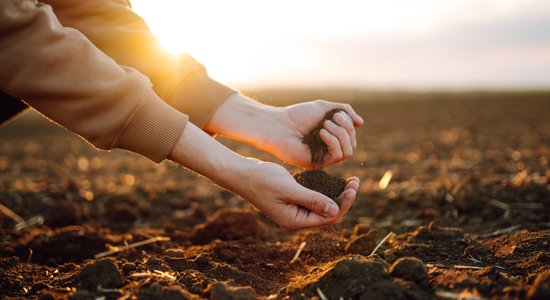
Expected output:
(285, 42)
(237, 40)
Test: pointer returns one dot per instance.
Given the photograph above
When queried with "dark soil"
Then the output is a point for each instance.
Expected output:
(320, 181)
(468, 201)
(313, 140)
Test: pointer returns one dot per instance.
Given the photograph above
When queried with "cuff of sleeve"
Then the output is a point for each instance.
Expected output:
(199, 96)
(153, 129)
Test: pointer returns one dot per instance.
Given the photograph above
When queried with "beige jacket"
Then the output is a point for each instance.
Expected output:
(95, 68)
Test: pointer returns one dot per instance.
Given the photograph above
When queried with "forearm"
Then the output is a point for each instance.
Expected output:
(242, 119)
(116, 30)
(204, 155)
(61, 74)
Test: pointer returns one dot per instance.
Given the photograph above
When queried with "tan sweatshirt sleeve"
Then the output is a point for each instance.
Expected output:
(60, 73)
(115, 29)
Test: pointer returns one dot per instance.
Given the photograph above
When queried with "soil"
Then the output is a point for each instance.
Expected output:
(313, 140)
(468, 202)
(320, 181)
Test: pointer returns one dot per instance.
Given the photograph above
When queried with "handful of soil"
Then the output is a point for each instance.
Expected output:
(316, 146)
(319, 180)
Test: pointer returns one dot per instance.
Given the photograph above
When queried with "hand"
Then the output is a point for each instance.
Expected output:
(267, 186)
(298, 120)
(279, 130)
(271, 189)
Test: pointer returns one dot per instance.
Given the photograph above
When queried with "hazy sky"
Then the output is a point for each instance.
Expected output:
(361, 43)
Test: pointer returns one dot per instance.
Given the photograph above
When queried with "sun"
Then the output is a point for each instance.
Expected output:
(207, 34)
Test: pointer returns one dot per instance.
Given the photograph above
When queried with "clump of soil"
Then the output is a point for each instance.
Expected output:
(162, 290)
(411, 269)
(316, 146)
(103, 272)
(231, 224)
(362, 244)
(353, 277)
(221, 291)
(346, 278)
(320, 181)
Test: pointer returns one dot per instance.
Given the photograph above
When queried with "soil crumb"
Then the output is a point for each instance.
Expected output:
(316, 146)
(320, 181)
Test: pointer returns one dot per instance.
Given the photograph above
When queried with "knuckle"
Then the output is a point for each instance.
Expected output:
(348, 120)
(349, 152)
(337, 154)
(334, 141)
(347, 108)
(311, 202)
(341, 131)
(319, 101)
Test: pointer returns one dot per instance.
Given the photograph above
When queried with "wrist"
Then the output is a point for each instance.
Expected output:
(204, 155)
(243, 119)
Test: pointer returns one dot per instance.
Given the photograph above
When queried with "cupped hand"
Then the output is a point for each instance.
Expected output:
(296, 121)
(273, 190)
(280, 130)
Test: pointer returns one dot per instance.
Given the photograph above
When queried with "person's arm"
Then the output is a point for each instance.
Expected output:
(279, 130)
(57, 71)
(117, 31)
(268, 186)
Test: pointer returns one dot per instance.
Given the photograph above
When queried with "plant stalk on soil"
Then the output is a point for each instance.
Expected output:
(133, 245)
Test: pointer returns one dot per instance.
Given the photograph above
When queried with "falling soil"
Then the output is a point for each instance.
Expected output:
(469, 203)
(313, 140)
(320, 181)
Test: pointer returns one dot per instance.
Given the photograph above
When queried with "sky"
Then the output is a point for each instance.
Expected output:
(403, 44)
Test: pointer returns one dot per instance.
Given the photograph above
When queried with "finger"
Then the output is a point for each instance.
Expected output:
(303, 218)
(355, 182)
(344, 120)
(357, 120)
(342, 136)
(333, 146)
(314, 202)
(347, 198)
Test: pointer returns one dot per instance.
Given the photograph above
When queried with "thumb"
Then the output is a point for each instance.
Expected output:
(315, 202)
